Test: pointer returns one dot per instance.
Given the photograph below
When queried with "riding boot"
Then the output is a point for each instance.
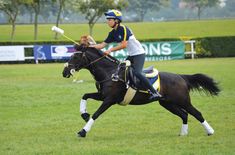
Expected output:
(154, 94)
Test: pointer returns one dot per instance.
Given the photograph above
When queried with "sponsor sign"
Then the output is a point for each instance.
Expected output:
(156, 51)
(12, 53)
(50, 52)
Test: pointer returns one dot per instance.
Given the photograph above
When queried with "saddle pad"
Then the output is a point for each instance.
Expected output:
(155, 81)
(156, 84)
(152, 74)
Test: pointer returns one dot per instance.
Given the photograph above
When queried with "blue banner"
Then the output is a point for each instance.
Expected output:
(53, 52)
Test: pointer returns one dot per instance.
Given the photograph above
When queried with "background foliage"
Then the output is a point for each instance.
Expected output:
(216, 46)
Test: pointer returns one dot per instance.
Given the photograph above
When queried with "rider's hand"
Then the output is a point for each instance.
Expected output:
(107, 52)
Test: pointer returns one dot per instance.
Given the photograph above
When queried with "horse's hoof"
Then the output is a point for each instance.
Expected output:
(85, 116)
(210, 134)
(82, 133)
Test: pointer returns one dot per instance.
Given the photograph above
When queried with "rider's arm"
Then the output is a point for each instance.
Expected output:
(108, 40)
(120, 46)
(99, 46)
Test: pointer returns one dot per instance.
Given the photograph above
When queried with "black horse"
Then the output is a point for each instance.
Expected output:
(174, 87)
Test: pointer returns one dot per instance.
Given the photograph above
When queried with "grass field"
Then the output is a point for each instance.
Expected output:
(155, 30)
(39, 114)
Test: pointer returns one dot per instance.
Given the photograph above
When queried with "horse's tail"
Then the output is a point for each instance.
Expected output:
(202, 82)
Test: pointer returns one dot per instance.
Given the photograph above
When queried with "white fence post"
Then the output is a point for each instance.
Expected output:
(192, 50)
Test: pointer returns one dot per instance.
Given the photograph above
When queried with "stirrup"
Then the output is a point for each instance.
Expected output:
(114, 77)
(155, 96)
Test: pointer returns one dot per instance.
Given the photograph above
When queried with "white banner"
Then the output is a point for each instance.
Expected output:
(12, 53)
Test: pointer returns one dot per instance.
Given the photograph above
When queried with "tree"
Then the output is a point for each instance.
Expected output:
(141, 7)
(200, 5)
(94, 9)
(26, 9)
(36, 4)
(61, 4)
(11, 8)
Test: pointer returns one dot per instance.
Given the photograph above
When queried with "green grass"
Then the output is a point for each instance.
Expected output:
(187, 29)
(39, 114)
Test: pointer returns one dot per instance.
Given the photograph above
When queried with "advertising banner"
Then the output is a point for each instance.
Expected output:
(156, 51)
(52, 52)
(12, 53)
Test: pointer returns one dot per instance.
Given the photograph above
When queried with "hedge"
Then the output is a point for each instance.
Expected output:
(215, 46)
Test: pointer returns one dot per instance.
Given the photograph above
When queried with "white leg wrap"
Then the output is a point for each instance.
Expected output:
(88, 125)
(83, 106)
(184, 130)
(208, 128)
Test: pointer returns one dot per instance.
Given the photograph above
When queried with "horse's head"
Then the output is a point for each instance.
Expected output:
(89, 58)
(77, 59)
(75, 63)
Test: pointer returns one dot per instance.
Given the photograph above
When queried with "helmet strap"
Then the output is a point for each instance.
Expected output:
(115, 24)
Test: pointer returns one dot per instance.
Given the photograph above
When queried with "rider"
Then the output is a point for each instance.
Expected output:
(126, 39)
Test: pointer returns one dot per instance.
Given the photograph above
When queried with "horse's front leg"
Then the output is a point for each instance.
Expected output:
(105, 105)
(83, 110)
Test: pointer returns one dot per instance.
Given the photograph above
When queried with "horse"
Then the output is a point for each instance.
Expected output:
(175, 89)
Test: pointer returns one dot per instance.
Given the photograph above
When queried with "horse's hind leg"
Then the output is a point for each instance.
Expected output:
(197, 114)
(83, 110)
(175, 109)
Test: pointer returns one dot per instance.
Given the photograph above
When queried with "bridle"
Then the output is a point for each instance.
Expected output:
(74, 66)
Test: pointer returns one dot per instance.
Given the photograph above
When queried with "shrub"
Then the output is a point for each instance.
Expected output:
(215, 46)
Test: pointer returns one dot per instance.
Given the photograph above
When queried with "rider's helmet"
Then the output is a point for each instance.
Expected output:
(114, 14)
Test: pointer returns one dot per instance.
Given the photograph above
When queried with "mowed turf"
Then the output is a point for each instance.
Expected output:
(147, 30)
(39, 114)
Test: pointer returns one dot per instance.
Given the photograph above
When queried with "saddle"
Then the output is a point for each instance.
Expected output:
(133, 83)
(131, 80)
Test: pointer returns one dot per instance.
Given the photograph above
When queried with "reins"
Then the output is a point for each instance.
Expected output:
(92, 62)
(98, 59)
(95, 61)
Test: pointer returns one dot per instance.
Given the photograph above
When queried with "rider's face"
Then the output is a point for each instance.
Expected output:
(111, 22)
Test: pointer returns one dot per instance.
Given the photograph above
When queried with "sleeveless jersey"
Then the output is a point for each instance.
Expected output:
(123, 33)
